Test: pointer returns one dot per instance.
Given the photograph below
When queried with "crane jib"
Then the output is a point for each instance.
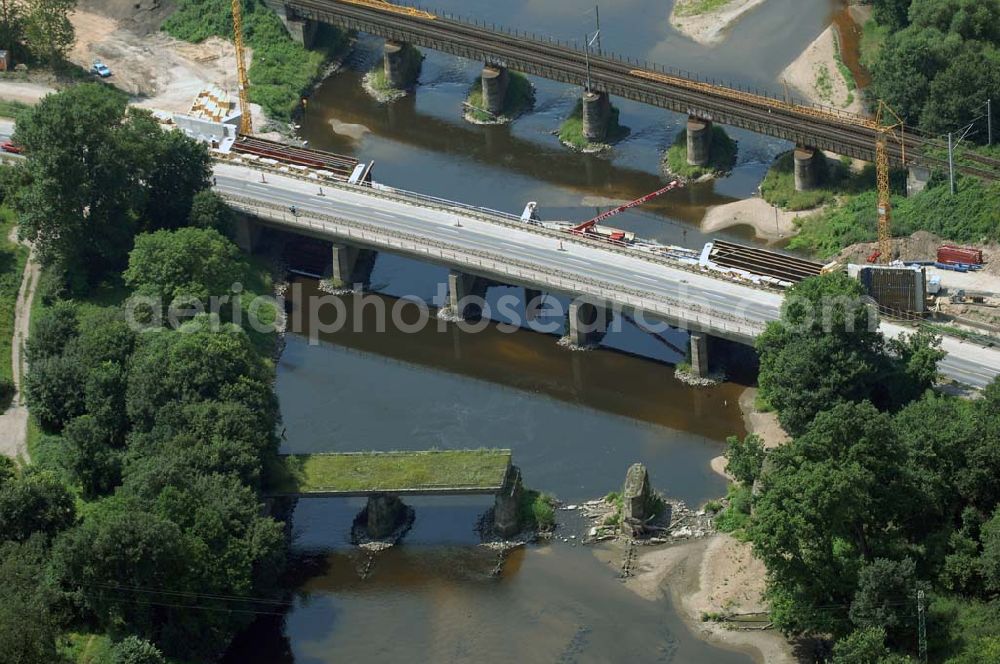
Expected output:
(621, 208)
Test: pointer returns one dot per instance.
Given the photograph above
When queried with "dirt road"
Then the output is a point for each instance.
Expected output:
(14, 421)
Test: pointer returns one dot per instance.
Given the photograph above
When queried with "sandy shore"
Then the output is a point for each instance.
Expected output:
(756, 213)
(815, 77)
(710, 28)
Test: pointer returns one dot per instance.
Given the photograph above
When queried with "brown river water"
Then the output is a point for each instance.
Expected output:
(574, 420)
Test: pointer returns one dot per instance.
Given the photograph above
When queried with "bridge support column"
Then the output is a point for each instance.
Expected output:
(637, 500)
(588, 323)
(699, 141)
(507, 504)
(532, 303)
(917, 179)
(699, 354)
(807, 168)
(402, 64)
(247, 233)
(495, 81)
(384, 514)
(351, 265)
(596, 113)
(465, 294)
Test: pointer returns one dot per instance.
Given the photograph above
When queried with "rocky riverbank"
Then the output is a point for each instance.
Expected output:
(709, 27)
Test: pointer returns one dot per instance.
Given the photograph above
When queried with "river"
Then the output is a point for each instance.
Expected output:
(574, 420)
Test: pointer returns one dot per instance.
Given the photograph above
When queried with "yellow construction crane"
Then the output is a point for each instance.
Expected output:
(246, 122)
(885, 132)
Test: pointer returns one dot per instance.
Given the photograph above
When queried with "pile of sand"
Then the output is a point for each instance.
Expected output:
(921, 246)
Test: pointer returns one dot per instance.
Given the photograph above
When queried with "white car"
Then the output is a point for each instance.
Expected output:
(100, 69)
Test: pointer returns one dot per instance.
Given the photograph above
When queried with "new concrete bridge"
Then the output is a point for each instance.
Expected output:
(483, 247)
(602, 74)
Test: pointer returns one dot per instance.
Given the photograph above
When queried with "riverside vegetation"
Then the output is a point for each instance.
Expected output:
(520, 96)
(136, 533)
(281, 70)
(886, 488)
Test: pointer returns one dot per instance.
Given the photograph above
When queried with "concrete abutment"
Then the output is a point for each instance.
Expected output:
(247, 233)
(699, 141)
(917, 179)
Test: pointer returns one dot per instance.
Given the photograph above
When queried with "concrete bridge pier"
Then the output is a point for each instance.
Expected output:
(384, 514)
(507, 505)
(596, 114)
(247, 233)
(808, 167)
(532, 303)
(466, 293)
(588, 323)
(351, 265)
(495, 80)
(917, 179)
(402, 64)
(699, 141)
(699, 354)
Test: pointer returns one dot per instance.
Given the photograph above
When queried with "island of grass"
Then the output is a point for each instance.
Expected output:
(834, 178)
(722, 156)
(518, 99)
(378, 85)
(361, 473)
(571, 131)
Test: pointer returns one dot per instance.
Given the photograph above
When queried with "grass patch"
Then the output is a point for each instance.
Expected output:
(697, 7)
(83, 648)
(761, 404)
(391, 471)
(842, 67)
(968, 217)
(520, 97)
(571, 130)
(873, 37)
(13, 257)
(537, 511)
(281, 69)
(722, 155)
(379, 81)
(736, 516)
(823, 85)
(835, 178)
(10, 109)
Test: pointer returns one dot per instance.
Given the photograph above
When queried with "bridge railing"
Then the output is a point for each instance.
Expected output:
(677, 312)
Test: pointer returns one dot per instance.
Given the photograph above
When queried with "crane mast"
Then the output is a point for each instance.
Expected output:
(246, 122)
(884, 252)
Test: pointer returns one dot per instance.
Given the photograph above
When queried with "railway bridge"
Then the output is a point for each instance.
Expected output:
(810, 127)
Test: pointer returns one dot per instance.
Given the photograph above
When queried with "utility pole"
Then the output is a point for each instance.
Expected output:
(921, 628)
(597, 14)
(989, 122)
(951, 164)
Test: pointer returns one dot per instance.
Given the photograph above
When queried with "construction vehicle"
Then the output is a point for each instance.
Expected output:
(246, 122)
(615, 235)
(885, 132)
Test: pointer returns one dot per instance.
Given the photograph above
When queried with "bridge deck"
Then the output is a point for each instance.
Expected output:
(431, 472)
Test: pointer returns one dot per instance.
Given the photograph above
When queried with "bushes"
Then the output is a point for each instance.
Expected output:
(537, 510)
(778, 187)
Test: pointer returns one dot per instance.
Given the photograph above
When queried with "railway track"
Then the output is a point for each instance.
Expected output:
(339, 165)
(819, 127)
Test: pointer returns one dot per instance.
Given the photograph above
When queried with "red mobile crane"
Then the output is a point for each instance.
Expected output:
(589, 227)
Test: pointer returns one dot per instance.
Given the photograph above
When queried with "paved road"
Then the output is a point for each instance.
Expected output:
(967, 363)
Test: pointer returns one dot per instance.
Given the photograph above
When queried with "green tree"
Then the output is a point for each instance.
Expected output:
(49, 32)
(745, 458)
(178, 168)
(862, 646)
(828, 503)
(52, 331)
(186, 263)
(34, 502)
(990, 559)
(969, 19)
(884, 597)
(13, 16)
(94, 462)
(891, 13)
(53, 388)
(133, 650)
(208, 210)
(28, 628)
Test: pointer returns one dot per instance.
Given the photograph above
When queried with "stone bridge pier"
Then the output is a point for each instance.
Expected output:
(596, 115)
(401, 63)
(495, 80)
(507, 505)
(809, 166)
(699, 141)
(351, 265)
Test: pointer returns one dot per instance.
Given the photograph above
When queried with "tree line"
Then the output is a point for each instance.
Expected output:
(141, 514)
